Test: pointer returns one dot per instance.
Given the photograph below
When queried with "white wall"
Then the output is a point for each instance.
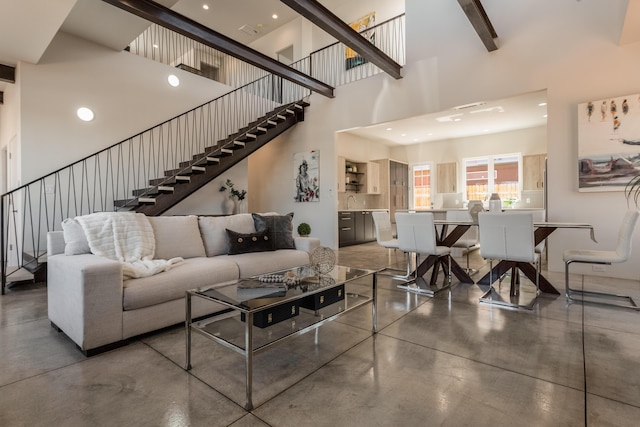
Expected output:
(127, 93)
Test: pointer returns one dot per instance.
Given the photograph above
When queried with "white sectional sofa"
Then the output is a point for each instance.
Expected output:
(89, 300)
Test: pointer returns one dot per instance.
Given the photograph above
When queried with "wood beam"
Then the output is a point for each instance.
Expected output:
(480, 21)
(7, 73)
(323, 18)
(167, 18)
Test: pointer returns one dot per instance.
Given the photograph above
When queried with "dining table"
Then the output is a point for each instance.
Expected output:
(542, 230)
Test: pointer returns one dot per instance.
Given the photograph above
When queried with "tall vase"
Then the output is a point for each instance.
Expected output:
(228, 206)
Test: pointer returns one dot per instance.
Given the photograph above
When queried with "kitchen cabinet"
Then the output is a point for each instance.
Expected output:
(447, 177)
(355, 227)
(372, 177)
(398, 187)
(342, 166)
(533, 171)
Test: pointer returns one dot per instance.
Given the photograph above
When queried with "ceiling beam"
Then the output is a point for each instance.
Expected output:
(323, 18)
(1, 98)
(7, 73)
(480, 21)
(167, 18)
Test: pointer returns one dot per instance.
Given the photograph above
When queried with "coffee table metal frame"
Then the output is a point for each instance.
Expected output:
(352, 302)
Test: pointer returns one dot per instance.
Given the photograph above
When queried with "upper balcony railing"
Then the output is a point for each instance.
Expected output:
(335, 64)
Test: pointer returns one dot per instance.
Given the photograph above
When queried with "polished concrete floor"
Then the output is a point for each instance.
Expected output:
(435, 361)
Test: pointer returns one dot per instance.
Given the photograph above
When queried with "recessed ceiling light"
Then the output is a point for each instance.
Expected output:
(457, 120)
(173, 80)
(403, 134)
(545, 116)
(274, 16)
(430, 134)
(155, 46)
(389, 128)
(85, 114)
(542, 104)
(485, 130)
(205, 6)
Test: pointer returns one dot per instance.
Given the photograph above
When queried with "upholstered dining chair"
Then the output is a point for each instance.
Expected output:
(384, 237)
(469, 240)
(417, 234)
(621, 253)
(509, 238)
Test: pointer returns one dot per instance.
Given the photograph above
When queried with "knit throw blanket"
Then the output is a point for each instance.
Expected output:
(126, 237)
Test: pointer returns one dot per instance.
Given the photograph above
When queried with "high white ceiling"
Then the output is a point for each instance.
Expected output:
(482, 117)
(30, 25)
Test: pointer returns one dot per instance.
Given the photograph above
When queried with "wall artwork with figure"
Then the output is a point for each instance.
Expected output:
(608, 143)
(306, 168)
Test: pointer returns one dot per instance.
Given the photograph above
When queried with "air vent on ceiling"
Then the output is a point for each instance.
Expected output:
(249, 30)
(465, 106)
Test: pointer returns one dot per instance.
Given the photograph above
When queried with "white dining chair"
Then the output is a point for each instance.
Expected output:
(621, 253)
(417, 235)
(469, 240)
(508, 237)
(385, 238)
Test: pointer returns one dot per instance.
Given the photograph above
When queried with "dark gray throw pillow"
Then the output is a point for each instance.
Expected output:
(242, 243)
(280, 228)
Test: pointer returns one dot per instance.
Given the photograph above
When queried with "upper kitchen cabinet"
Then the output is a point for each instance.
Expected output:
(372, 178)
(533, 171)
(447, 177)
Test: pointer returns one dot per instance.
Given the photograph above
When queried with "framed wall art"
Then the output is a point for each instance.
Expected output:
(306, 167)
(363, 26)
(608, 143)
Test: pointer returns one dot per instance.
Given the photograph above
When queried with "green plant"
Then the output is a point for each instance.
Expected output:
(304, 229)
(632, 190)
(240, 195)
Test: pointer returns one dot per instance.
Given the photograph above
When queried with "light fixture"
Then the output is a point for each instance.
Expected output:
(451, 118)
(274, 16)
(85, 114)
(205, 6)
(403, 134)
(155, 46)
(473, 104)
(173, 80)
(542, 104)
(389, 128)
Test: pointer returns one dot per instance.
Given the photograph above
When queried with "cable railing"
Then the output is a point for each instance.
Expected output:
(335, 64)
(140, 165)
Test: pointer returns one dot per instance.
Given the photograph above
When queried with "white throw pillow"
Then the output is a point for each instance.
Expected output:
(74, 238)
(214, 231)
(177, 236)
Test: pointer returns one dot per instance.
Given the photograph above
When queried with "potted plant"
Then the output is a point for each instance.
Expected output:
(236, 197)
(304, 229)
(632, 190)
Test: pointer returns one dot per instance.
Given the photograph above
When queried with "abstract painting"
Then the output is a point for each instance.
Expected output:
(306, 169)
(608, 143)
(352, 59)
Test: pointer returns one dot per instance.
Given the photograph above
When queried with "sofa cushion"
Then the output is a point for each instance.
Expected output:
(169, 285)
(177, 236)
(75, 240)
(280, 228)
(214, 231)
(255, 263)
(241, 243)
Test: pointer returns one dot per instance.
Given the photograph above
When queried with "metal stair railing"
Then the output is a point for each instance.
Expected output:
(95, 182)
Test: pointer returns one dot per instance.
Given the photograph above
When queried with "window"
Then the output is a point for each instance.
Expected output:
(422, 186)
(496, 174)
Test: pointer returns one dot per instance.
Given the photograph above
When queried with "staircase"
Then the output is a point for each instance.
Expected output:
(177, 184)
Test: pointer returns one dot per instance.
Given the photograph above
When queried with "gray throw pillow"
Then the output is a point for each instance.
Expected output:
(280, 228)
(242, 243)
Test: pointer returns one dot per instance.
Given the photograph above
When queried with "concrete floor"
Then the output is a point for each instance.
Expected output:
(435, 361)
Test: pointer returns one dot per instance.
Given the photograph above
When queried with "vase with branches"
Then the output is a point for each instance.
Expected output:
(237, 196)
(632, 190)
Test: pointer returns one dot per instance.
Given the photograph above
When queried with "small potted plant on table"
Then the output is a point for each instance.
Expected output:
(304, 229)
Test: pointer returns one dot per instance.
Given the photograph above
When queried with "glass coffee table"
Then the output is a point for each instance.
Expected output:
(263, 314)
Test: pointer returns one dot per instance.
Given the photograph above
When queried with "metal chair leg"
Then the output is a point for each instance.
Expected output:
(581, 294)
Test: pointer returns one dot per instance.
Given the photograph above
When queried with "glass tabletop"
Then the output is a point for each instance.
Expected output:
(252, 294)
